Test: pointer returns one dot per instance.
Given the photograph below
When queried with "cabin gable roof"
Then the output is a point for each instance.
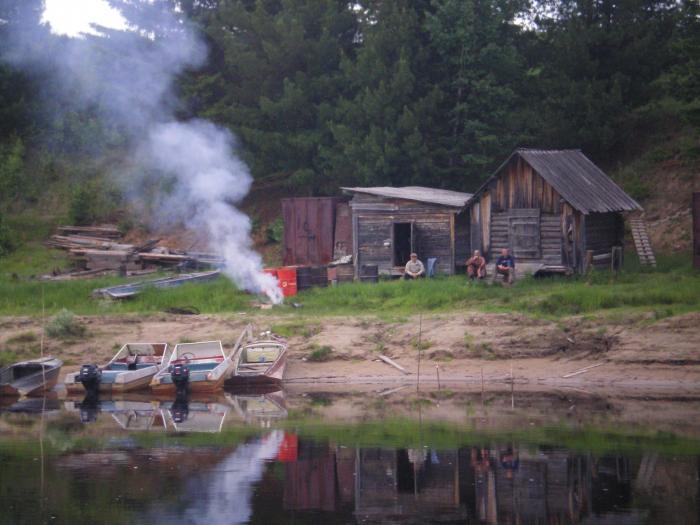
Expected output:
(580, 182)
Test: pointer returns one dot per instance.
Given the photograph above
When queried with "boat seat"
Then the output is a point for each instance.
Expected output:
(261, 354)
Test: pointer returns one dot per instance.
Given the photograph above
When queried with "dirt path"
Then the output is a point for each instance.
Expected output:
(638, 355)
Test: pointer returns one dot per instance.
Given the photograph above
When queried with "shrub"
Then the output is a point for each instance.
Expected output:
(320, 353)
(65, 325)
(94, 201)
(8, 240)
(275, 231)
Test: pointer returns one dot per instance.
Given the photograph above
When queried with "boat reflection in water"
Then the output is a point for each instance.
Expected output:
(187, 413)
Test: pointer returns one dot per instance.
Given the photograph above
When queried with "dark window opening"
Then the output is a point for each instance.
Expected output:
(402, 242)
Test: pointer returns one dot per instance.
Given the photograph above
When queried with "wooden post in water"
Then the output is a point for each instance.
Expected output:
(420, 331)
(696, 230)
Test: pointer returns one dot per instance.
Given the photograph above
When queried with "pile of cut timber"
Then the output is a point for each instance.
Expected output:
(97, 248)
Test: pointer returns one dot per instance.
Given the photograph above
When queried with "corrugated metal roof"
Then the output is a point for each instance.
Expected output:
(454, 199)
(580, 182)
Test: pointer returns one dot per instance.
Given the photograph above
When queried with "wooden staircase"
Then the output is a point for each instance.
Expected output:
(641, 242)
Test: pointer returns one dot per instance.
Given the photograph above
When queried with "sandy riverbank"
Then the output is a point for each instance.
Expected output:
(639, 355)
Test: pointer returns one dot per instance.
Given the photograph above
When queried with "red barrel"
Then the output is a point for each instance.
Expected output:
(287, 278)
(289, 448)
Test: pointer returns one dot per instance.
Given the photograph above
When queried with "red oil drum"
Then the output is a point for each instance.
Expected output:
(287, 278)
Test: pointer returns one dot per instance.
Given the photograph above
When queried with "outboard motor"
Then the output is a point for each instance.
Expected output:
(90, 376)
(180, 375)
(181, 408)
(90, 407)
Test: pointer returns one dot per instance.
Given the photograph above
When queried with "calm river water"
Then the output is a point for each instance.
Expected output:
(268, 459)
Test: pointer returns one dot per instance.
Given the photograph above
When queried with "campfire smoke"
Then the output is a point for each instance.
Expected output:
(127, 77)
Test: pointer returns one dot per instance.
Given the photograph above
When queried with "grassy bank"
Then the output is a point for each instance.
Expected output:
(672, 289)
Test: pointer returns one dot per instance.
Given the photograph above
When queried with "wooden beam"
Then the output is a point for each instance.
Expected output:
(393, 363)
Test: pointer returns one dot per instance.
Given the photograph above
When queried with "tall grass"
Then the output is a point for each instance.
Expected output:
(672, 289)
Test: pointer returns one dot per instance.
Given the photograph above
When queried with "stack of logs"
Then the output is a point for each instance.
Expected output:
(98, 249)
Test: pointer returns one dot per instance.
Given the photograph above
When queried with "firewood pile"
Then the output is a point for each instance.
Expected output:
(98, 249)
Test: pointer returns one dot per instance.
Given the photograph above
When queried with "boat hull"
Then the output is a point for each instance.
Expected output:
(32, 386)
(117, 388)
(195, 387)
(272, 376)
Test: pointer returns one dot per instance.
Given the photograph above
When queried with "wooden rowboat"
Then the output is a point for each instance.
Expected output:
(30, 378)
(131, 368)
(194, 367)
(261, 360)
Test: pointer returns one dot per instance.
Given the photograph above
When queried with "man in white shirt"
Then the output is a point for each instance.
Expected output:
(414, 268)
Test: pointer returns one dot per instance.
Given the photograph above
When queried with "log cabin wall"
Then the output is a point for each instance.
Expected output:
(517, 205)
(434, 229)
(462, 240)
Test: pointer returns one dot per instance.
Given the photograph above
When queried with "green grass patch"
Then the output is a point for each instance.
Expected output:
(320, 354)
(409, 433)
(298, 327)
(672, 289)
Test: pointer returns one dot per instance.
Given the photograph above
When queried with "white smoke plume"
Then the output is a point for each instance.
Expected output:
(128, 78)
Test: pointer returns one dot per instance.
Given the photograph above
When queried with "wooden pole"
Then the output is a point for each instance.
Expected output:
(420, 332)
(437, 371)
(696, 230)
(482, 385)
(589, 261)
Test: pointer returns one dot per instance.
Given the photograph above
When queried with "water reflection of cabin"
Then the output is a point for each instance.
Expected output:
(466, 485)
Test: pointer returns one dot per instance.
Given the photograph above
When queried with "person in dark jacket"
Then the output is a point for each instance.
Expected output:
(505, 265)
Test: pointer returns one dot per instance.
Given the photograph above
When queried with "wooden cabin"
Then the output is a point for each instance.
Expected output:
(390, 223)
(549, 207)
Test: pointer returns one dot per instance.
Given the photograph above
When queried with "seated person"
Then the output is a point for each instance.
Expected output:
(505, 265)
(414, 268)
(476, 266)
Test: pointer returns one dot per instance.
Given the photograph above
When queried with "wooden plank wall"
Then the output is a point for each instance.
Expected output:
(603, 231)
(375, 216)
(550, 237)
(462, 238)
(519, 186)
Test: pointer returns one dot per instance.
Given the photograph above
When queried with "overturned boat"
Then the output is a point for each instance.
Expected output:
(125, 291)
(194, 367)
(30, 378)
(131, 368)
(261, 360)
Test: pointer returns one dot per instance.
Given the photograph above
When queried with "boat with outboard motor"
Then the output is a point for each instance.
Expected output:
(33, 377)
(195, 367)
(131, 368)
(262, 360)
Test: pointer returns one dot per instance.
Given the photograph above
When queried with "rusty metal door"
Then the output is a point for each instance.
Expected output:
(309, 224)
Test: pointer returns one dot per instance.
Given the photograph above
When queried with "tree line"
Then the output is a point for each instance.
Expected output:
(323, 93)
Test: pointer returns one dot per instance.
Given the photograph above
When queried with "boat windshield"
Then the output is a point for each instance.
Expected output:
(261, 353)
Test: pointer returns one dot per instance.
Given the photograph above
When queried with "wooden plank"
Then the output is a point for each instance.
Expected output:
(394, 364)
(582, 370)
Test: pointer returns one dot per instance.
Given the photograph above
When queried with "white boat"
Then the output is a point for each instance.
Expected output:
(195, 367)
(131, 368)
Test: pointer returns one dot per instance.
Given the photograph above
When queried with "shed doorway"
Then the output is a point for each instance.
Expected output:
(403, 242)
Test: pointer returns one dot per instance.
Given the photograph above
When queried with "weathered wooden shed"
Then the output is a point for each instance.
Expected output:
(389, 223)
(549, 207)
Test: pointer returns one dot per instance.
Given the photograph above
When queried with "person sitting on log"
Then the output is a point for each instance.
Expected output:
(505, 265)
(476, 266)
(414, 268)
